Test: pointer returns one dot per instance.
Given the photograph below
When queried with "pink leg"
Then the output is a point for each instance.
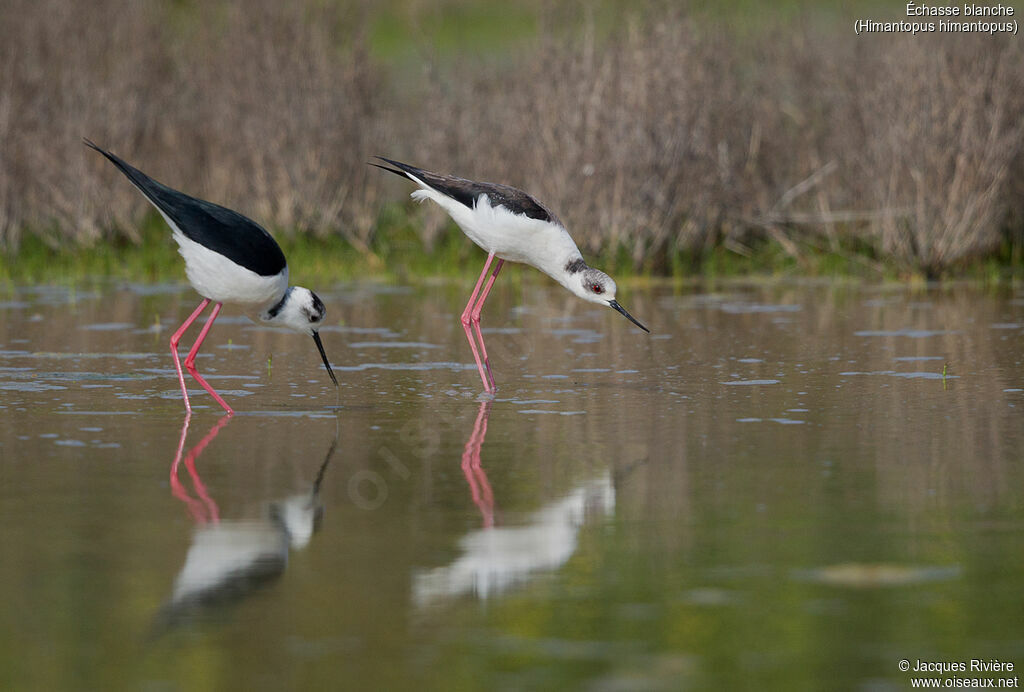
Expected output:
(190, 360)
(175, 338)
(466, 323)
(475, 319)
(479, 486)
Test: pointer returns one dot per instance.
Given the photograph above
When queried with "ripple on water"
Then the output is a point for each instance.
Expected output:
(108, 326)
(59, 295)
(906, 375)
(911, 333)
(392, 344)
(381, 332)
(286, 414)
(406, 366)
(30, 387)
(582, 336)
(176, 394)
(752, 382)
(750, 308)
(53, 355)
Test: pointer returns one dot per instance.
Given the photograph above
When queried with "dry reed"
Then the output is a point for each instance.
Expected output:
(664, 136)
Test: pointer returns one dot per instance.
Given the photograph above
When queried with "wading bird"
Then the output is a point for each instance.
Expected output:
(509, 224)
(228, 259)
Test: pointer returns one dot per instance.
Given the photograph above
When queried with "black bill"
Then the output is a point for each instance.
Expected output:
(327, 364)
(629, 317)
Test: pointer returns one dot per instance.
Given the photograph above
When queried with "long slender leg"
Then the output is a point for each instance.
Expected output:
(175, 338)
(466, 323)
(475, 319)
(190, 360)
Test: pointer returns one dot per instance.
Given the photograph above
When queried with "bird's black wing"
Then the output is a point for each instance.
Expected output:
(468, 191)
(226, 232)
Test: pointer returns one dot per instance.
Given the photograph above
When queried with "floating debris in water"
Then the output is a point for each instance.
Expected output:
(872, 575)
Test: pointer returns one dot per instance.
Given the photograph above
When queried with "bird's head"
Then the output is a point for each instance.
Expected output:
(301, 310)
(597, 287)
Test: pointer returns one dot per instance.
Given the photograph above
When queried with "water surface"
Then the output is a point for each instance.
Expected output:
(783, 487)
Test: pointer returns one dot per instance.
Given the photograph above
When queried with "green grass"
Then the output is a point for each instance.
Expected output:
(396, 253)
(398, 31)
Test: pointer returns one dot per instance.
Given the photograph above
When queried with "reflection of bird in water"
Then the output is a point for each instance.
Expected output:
(229, 559)
(496, 558)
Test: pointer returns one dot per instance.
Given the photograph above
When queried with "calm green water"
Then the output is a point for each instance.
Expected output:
(777, 489)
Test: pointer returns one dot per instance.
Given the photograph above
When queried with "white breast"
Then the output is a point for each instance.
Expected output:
(216, 277)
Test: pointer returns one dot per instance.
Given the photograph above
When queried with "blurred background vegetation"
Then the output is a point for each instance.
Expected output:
(671, 137)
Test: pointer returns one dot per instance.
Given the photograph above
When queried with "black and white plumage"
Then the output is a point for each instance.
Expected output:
(228, 259)
(512, 225)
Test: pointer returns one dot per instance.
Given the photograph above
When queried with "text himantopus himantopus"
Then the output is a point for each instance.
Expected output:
(511, 225)
(228, 259)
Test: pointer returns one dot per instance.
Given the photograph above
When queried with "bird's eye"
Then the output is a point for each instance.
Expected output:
(597, 288)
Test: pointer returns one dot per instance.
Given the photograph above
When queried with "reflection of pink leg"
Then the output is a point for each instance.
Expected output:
(190, 360)
(479, 486)
(467, 322)
(175, 338)
(204, 509)
(475, 319)
(176, 487)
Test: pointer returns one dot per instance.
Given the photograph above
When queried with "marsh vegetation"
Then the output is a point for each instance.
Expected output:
(662, 136)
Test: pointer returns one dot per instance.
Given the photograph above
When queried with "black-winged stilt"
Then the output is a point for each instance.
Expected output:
(511, 225)
(228, 259)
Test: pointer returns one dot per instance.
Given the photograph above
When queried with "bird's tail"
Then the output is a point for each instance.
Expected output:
(146, 185)
(401, 169)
